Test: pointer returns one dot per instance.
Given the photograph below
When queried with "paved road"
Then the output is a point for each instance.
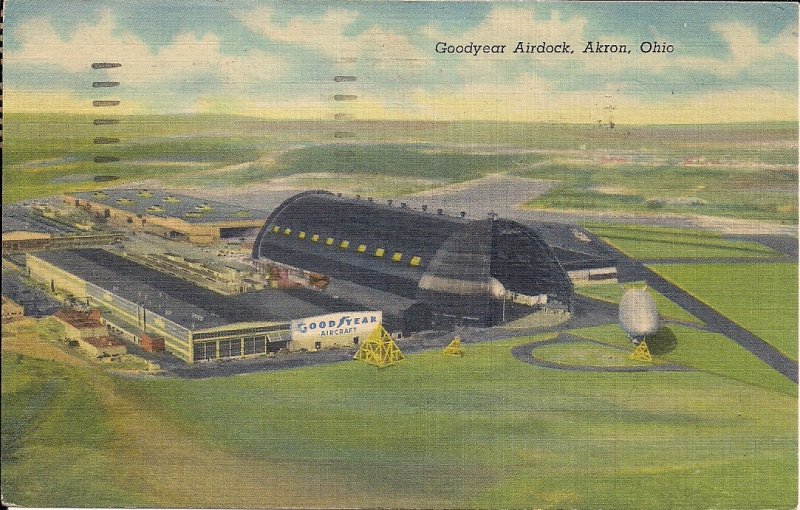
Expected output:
(630, 270)
(786, 245)
(524, 353)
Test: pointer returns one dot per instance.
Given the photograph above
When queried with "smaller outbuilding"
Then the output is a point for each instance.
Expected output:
(89, 332)
(102, 346)
(80, 325)
(151, 343)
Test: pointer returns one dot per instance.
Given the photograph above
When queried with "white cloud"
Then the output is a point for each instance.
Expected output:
(188, 58)
(327, 35)
(507, 24)
(746, 50)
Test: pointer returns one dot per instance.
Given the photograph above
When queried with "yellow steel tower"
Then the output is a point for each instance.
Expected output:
(379, 349)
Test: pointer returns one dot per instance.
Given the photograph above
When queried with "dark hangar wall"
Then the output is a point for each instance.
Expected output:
(457, 270)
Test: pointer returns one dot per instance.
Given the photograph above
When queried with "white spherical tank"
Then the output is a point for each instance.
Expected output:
(638, 315)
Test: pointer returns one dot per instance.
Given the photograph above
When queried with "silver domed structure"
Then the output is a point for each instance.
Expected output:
(638, 315)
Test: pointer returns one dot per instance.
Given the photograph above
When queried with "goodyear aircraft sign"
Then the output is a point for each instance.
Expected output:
(335, 324)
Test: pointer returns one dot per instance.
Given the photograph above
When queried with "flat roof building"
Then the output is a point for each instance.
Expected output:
(196, 324)
(169, 215)
(25, 229)
(80, 325)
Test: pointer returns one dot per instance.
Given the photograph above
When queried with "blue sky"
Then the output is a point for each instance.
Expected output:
(732, 61)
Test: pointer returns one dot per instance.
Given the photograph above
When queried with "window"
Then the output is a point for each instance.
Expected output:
(301, 235)
(329, 241)
(397, 256)
(355, 340)
(414, 262)
(380, 252)
(361, 248)
(318, 345)
(287, 231)
(205, 351)
(230, 348)
(276, 229)
(315, 238)
(255, 345)
(344, 245)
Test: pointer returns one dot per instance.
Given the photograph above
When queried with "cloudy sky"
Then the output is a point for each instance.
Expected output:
(731, 62)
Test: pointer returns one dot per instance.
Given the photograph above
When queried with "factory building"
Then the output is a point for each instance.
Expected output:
(26, 230)
(194, 323)
(422, 269)
(169, 215)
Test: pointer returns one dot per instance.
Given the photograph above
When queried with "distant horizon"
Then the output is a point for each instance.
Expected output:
(795, 122)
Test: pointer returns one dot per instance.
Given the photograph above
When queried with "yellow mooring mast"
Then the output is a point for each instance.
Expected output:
(379, 349)
(454, 349)
(642, 353)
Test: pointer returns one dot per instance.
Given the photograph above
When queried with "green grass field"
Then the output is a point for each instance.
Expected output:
(646, 243)
(612, 293)
(754, 198)
(761, 298)
(587, 354)
(484, 430)
(51, 154)
(701, 350)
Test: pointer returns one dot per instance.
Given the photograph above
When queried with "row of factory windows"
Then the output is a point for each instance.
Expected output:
(244, 331)
(344, 245)
(236, 348)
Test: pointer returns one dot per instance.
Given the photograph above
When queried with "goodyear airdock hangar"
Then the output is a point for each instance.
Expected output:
(407, 269)
(423, 269)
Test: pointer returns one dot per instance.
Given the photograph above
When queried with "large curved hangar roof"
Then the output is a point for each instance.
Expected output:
(406, 251)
